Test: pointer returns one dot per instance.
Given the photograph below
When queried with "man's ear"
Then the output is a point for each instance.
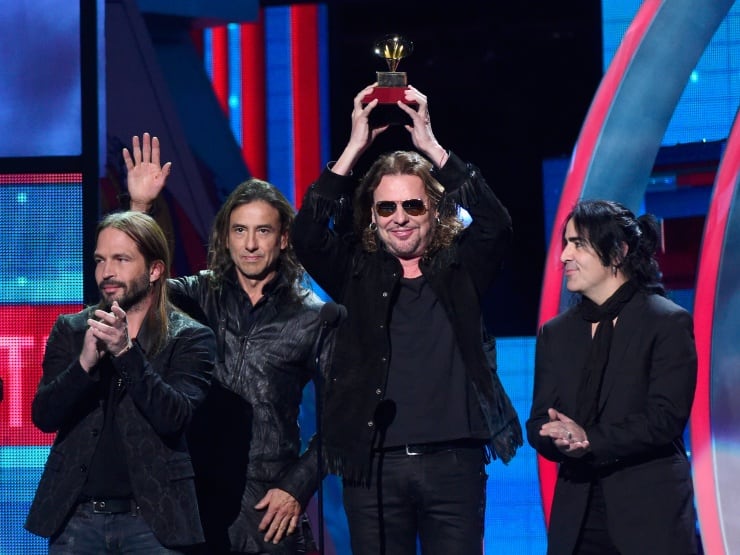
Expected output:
(156, 270)
(624, 249)
(618, 257)
(284, 240)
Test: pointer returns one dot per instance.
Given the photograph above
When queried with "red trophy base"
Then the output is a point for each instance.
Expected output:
(387, 111)
(386, 95)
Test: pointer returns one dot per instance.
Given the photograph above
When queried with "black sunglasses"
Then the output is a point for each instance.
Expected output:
(412, 207)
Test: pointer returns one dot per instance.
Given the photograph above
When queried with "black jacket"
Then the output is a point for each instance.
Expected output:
(366, 283)
(258, 383)
(637, 449)
(160, 395)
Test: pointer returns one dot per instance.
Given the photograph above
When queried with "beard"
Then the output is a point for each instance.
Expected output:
(133, 293)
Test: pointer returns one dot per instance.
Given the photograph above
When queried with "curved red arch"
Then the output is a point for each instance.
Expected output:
(581, 159)
(704, 304)
(637, 78)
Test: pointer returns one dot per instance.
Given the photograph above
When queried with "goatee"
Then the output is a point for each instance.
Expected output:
(134, 292)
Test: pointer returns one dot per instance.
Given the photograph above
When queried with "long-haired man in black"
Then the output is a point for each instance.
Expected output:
(614, 383)
(121, 381)
(253, 481)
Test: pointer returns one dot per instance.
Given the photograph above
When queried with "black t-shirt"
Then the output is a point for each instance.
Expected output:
(108, 473)
(427, 379)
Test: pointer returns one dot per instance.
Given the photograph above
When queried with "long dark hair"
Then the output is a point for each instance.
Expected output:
(219, 258)
(608, 226)
(402, 162)
(152, 244)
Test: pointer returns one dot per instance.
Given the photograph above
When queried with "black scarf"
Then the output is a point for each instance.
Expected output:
(589, 389)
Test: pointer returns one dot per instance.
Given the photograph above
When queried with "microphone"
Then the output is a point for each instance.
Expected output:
(332, 314)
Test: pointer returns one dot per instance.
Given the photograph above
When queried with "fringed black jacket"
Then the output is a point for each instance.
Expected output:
(365, 283)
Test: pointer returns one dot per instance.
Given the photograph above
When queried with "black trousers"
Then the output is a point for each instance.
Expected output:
(439, 498)
(594, 538)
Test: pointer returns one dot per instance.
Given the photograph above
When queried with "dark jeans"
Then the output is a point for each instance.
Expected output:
(89, 533)
(438, 497)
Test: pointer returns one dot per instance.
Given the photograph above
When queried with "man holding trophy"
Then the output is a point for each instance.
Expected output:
(413, 407)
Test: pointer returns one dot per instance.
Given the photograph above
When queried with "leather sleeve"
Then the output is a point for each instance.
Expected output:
(302, 479)
(167, 398)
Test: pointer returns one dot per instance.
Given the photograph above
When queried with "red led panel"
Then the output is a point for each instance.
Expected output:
(23, 333)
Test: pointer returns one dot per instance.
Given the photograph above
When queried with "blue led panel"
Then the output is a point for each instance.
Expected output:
(707, 107)
(20, 471)
(40, 79)
(40, 239)
(40, 276)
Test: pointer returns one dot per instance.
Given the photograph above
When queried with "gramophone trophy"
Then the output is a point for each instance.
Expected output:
(391, 83)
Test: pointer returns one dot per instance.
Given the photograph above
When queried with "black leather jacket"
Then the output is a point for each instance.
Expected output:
(265, 356)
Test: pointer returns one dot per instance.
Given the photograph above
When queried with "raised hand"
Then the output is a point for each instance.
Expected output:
(421, 128)
(362, 134)
(146, 177)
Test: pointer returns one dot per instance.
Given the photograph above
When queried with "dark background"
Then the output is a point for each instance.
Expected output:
(509, 84)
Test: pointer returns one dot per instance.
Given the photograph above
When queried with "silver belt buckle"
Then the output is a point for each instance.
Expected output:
(411, 453)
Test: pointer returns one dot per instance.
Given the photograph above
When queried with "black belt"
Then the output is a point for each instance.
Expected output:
(413, 449)
(113, 506)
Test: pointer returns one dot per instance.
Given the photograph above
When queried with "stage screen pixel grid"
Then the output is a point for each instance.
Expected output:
(40, 278)
(708, 104)
(40, 79)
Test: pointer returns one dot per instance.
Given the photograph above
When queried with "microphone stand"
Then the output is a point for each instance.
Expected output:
(319, 391)
(330, 315)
